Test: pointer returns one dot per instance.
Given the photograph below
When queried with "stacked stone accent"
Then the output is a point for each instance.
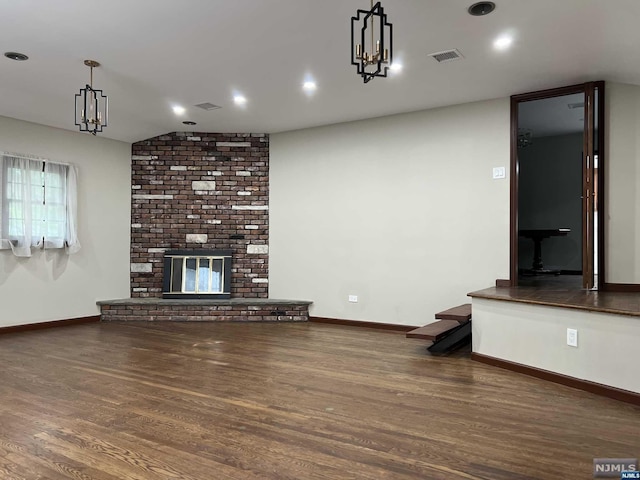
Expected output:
(201, 191)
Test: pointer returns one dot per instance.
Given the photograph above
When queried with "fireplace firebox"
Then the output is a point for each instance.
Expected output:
(197, 274)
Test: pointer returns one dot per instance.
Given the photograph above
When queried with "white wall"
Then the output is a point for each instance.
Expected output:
(401, 211)
(622, 189)
(52, 285)
(536, 336)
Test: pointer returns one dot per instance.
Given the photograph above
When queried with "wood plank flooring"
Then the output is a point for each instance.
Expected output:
(209, 401)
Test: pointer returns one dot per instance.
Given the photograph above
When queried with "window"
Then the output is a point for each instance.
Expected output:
(37, 204)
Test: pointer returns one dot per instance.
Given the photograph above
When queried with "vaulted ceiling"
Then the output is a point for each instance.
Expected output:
(159, 53)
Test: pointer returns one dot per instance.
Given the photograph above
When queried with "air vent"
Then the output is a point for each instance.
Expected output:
(446, 56)
(207, 106)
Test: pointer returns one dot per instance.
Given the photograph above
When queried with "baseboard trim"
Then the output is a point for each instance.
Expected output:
(503, 283)
(356, 323)
(52, 324)
(586, 385)
(621, 287)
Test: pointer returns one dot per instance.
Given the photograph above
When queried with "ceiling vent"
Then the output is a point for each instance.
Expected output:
(447, 55)
(207, 106)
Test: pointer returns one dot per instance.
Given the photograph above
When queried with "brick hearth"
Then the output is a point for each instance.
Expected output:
(235, 310)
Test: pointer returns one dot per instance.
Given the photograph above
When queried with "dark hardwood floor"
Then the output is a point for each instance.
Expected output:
(211, 401)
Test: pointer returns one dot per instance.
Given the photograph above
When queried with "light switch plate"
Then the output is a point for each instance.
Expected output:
(572, 337)
(499, 172)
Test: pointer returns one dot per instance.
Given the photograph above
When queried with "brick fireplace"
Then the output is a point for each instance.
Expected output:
(201, 192)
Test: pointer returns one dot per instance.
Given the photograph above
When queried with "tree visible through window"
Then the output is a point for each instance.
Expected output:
(38, 205)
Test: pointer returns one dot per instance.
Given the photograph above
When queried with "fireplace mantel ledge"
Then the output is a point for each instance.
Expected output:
(200, 301)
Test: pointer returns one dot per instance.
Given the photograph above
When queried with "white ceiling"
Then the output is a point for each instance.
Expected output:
(157, 53)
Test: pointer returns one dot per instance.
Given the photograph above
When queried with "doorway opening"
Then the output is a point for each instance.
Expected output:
(556, 191)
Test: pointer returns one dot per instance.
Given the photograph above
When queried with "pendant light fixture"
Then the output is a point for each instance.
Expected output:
(371, 42)
(92, 107)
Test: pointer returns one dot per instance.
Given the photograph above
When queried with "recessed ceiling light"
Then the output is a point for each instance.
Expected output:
(481, 8)
(189, 122)
(309, 86)
(395, 67)
(503, 42)
(20, 57)
(239, 99)
(178, 110)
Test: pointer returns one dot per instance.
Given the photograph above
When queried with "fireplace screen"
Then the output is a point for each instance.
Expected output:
(197, 274)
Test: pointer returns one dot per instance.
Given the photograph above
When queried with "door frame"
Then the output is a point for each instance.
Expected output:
(514, 172)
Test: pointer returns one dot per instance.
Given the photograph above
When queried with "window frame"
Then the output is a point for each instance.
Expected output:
(52, 225)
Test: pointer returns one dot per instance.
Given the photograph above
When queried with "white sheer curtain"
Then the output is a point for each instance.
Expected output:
(71, 237)
(37, 205)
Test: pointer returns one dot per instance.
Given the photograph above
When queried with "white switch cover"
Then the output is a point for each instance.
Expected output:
(353, 298)
(572, 337)
(499, 172)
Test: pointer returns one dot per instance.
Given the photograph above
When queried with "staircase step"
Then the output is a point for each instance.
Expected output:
(461, 313)
(434, 331)
(458, 337)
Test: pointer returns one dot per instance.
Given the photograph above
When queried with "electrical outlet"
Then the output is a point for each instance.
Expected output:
(353, 298)
(572, 337)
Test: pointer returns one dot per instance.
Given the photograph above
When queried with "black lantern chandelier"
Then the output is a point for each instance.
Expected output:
(92, 107)
(371, 42)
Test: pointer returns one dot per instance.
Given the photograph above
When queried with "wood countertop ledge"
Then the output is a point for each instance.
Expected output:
(605, 302)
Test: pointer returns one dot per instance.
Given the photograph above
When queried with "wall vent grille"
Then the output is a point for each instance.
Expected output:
(207, 106)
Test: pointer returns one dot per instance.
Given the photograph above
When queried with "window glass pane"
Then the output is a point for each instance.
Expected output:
(15, 216)
(56, 221)
(176, 279)
(14, 184)
(55, 230)
(190, 275)
(216, 275)
(54, 180)
(203, 275)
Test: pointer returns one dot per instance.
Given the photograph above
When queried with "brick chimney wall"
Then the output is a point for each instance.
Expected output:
(201, 191)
